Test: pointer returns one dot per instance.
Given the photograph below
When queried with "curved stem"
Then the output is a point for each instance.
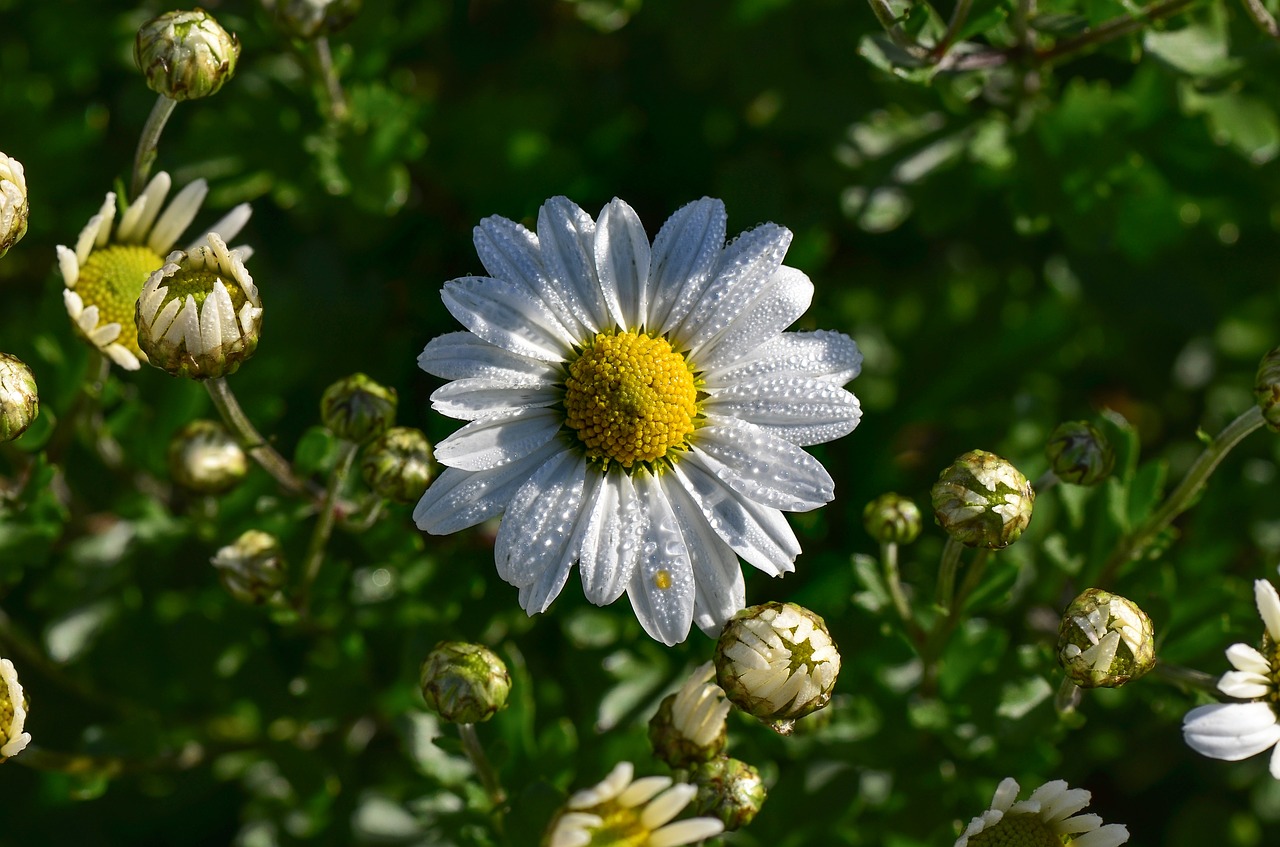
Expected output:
(958, 18)
(1186, 677)
(149, 144)
(893, 581)
(338, 110)
(253, 442)
(1259, 15)
(488, 776)
(947, 568)
(1112, 29)
(324, 526)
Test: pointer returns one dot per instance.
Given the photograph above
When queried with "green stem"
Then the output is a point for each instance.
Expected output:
(972, 578)
(338, 110)
(893, 581)
(958, 18)
(1186, 677)
(149, 144)
(884, 14)
(323, 529)
(947, 567)
(1131, 546)
(488, 776)
(252, 441)
(1259, 15)
(1113, 29)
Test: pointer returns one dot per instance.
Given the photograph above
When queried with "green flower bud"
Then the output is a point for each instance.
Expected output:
(397, 465)
(892, 518)
(1079, 453)
(311, 19)
(1266, 389)
(252, 569)
(204, 458)
(1105, 640)
(777, 661)
(982, 500)
(357, 408)
(13, 712)
(464, 683)
(690, 725)
(200, 315)
(729, 789)
(185, 55)
(19, 402)
(14, 210)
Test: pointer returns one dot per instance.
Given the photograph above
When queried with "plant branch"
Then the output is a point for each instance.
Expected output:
(149, 144)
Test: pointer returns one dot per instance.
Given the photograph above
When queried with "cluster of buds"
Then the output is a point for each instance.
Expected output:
(13, 712)
(1105, 640)
(358, 409)
(14, 209)
(252, 569)
(312, 19)
(19, 402)
(892, 519)
(397, 465)
(185, 55)
(464, 682)
(1079, 454)
(982, 500)
(205, 459)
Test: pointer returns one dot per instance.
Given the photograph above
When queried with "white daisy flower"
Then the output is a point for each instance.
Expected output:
(622, 812)
(105, 272)
(635, 409)
(1047, 817)
(1235, 731)
(13, 712)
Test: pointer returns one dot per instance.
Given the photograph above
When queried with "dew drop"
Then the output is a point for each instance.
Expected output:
(662, 579)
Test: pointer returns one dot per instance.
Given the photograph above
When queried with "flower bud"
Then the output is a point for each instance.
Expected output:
(1079, 453)
(252, 569)
(728, 789)
(14, 209)
(185, 55)
(19, 402)
(1266, 388)
(311, 19)
(1105, 640)
(464, 683)
(13, 712)
(777, 661)
(892, 518)
(397, 465)
(357, 408)
(690, 725)
(982, 500)
(204, 458)
(200, 315)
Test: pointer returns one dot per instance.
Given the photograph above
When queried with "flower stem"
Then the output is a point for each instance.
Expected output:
(488, 776)
(323, 529)
(958, 18)
(893, 581)
(338, 111)
(884, 14)
(1112, 29)
(947, 568)
(1186, 677)
(1259, 15)
(149, 144)
(1131, 546)
(253, 442)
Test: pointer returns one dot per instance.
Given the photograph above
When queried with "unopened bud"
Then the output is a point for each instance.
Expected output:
(464, 683)
(730, 790)
(14, 209)
(690, 725)
(311, 19)
(892, 518)
(204, 458)
(397, 465)
(777, 661)
(13, 712)
(1105, 640)
(1266, 389)
(357, 408)
(185, 55)
(1079, 453)
(982, 500)
(252, 569)
(19, 402)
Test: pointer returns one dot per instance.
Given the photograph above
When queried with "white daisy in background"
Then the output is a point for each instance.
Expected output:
(622, 812)
(1045, 819)
(1235, 731)
(105, 272)
(13, 712)
(637, 410)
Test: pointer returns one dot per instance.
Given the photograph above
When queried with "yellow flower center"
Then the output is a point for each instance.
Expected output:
(621, 827)
(111, 279)
(630, 398)
(198, 282)
(1024, 830)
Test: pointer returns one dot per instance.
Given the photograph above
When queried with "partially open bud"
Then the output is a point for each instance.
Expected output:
(1079, 453)
(892, 518)
(311, 19)
(185, 55)
(690, 725)
(397, 466)
(19, 402)
(204, 458)
(777, 661)
(14, 209)
(357, 408)
(1266, 389)
(982, 500)
(252, 569)
(199, 316)
(728, 789)
(465, 683)
(13, 712)
(1105, 640)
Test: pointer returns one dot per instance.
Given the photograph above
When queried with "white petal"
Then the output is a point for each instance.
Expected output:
(689, 831)
(163, 321)
(69, 267)
(490, 442)
(539, 522)
(566, 236)
(643, 790)
(1230, 731)
(1111, 835)
(484, 396)
(1006, 793)
(123, 357)
(97, 230)
(105, 334)
(181, 212)
(720, 588)
(228, 227)
(684, 257)
(661, 589)
(821, 354)
(765, 468)
(506, 314)
(622, 264)
(463, 355)
(785, 299)
(459, 499)
(227, 326)
(1246, 658)
(74, 304)
(510, 251)
(185, 329)
(802, 411)
(89, 318)
(1268, 606)
(1057, 801)
(665, 807)
(1244, 685)
(137, 219)
(611, 545)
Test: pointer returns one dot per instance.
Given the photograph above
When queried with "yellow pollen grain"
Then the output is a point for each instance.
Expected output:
(630, 398)
(662, 579)
(111, 279)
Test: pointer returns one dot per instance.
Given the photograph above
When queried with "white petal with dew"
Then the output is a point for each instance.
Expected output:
(662, 588)
(185, 329)
(566, 236)
(511, 252)
(613, 539)
(765, 468)
(464, 355)
(820, 354)
(480, 397)
(540, 520)
(683, 259)
(721, 590)
(1246, 658)
(1230, 731)
(622, 263)
(460, 499)
(802, 411)
(785, 299)
(489, 442)
(1244, 685)
(507, 315)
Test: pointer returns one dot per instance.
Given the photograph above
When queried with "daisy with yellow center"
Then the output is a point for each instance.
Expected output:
(13, 712)
(1045, 819)
(105, 272)
(635, 409)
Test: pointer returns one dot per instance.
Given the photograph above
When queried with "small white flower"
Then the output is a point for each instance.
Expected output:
(14, 208)
(635, 409)
(105, 272)
(13, 712)
(1048, 816)
(700, 708)
(1235, 731)
(626, 812)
